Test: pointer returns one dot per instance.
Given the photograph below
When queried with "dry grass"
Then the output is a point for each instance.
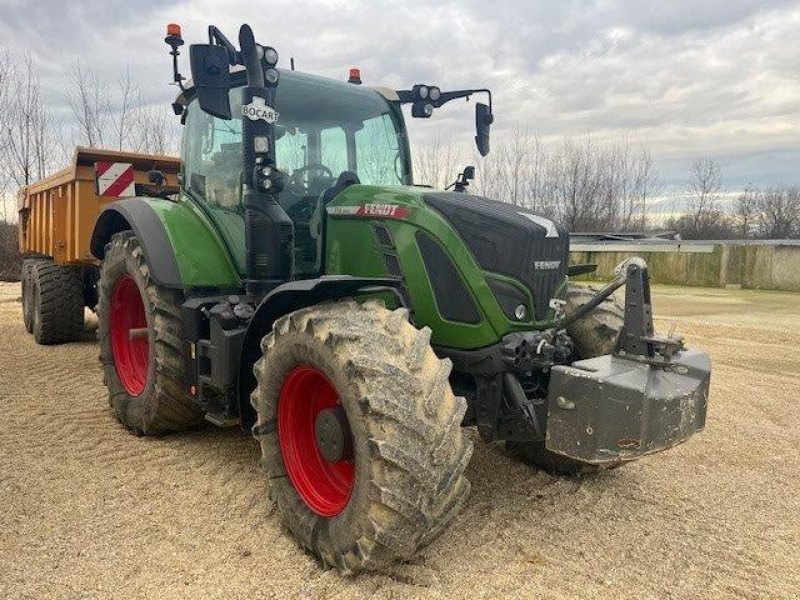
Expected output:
(89, 511)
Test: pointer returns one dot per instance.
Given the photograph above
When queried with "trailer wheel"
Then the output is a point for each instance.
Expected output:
(27, 294)
(360, 433)
(56, 302)
(594, 335)
(140, 335)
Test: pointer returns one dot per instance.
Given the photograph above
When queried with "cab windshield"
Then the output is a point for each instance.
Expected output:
(325, 128)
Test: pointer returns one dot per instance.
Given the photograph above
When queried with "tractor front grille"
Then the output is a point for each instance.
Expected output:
(510, 240)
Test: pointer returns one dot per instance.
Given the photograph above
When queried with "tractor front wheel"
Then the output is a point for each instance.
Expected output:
(360, 433)
(140, 335)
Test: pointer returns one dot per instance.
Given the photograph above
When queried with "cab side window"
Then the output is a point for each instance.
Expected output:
(333, 148)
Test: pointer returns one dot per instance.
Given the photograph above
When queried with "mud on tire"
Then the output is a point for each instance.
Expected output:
(594, 335)
(409, 450)
(55, 302)
(162, 405)
(27, 294)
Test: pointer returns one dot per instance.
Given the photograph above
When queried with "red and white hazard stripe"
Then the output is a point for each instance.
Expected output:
(114, 179)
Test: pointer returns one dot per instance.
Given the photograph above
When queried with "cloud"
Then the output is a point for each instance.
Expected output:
(713, 78)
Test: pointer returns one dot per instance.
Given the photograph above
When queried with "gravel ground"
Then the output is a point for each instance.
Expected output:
(90, 511)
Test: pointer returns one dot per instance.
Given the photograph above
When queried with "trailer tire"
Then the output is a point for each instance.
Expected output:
(594, 335)
(27, 294)
(398, 480)
(56, 307)
(144, 377)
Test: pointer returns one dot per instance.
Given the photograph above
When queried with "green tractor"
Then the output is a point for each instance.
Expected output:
(302, 287)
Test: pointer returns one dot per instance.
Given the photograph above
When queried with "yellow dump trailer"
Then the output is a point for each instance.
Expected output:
(56, 219)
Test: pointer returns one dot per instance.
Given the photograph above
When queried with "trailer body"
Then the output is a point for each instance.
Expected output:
(57, 215)
(57, 218)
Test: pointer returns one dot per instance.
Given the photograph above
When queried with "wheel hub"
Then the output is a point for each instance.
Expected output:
(332, 433)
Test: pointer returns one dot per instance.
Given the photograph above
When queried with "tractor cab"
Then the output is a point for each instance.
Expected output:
(327, 130)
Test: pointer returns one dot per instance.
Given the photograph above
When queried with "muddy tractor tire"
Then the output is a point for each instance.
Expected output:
(27, 294)
(55, 302)
(594, 335)
(360, 433)
(140, 333)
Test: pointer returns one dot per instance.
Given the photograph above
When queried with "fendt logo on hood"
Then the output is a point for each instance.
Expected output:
(258, 109)
(546, 265)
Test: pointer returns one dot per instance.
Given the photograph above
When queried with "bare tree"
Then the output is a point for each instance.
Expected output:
(706, 185)
(578, 179)
(705, 219)
(518, 168)
(436, 163)
(27, 127)
(89, 101)
(631, 180)
(154, 130)
(122, 115)
(5, 75)
(779, 212)
(488, 174)
(585, 183)
(539, 186)
(747, 212)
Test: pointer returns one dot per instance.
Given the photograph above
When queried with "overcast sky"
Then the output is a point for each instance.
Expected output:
(703, 77)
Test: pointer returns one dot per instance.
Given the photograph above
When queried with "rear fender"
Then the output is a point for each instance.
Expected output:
(182, 247)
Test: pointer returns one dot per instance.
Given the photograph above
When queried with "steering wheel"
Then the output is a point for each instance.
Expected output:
(295, 177)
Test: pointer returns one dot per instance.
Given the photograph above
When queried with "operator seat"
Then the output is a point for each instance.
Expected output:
(317, 223)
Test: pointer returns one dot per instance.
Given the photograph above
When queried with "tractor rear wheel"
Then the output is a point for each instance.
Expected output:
(140, 335)
(55, 302)
(594, 335)
(360, 433)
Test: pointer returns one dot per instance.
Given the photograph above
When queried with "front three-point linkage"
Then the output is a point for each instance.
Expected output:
(638, 340)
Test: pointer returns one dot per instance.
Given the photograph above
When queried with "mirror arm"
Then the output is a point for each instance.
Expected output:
(215, 36)
(407, 96)
(448, 96)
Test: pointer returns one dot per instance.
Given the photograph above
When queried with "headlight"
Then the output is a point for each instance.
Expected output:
(423, 92)
(428, 110)
(271, 55)
(271, 75)
(434, 93)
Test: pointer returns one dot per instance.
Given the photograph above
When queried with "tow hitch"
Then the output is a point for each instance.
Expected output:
(649, 395)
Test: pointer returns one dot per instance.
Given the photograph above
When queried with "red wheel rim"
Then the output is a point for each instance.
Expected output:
(131, 356)
(324, 486)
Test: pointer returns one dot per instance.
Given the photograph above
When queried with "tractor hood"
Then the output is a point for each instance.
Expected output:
(509, 240)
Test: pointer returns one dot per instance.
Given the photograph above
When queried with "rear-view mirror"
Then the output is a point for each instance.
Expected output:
(483, 121)
(211, 78)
